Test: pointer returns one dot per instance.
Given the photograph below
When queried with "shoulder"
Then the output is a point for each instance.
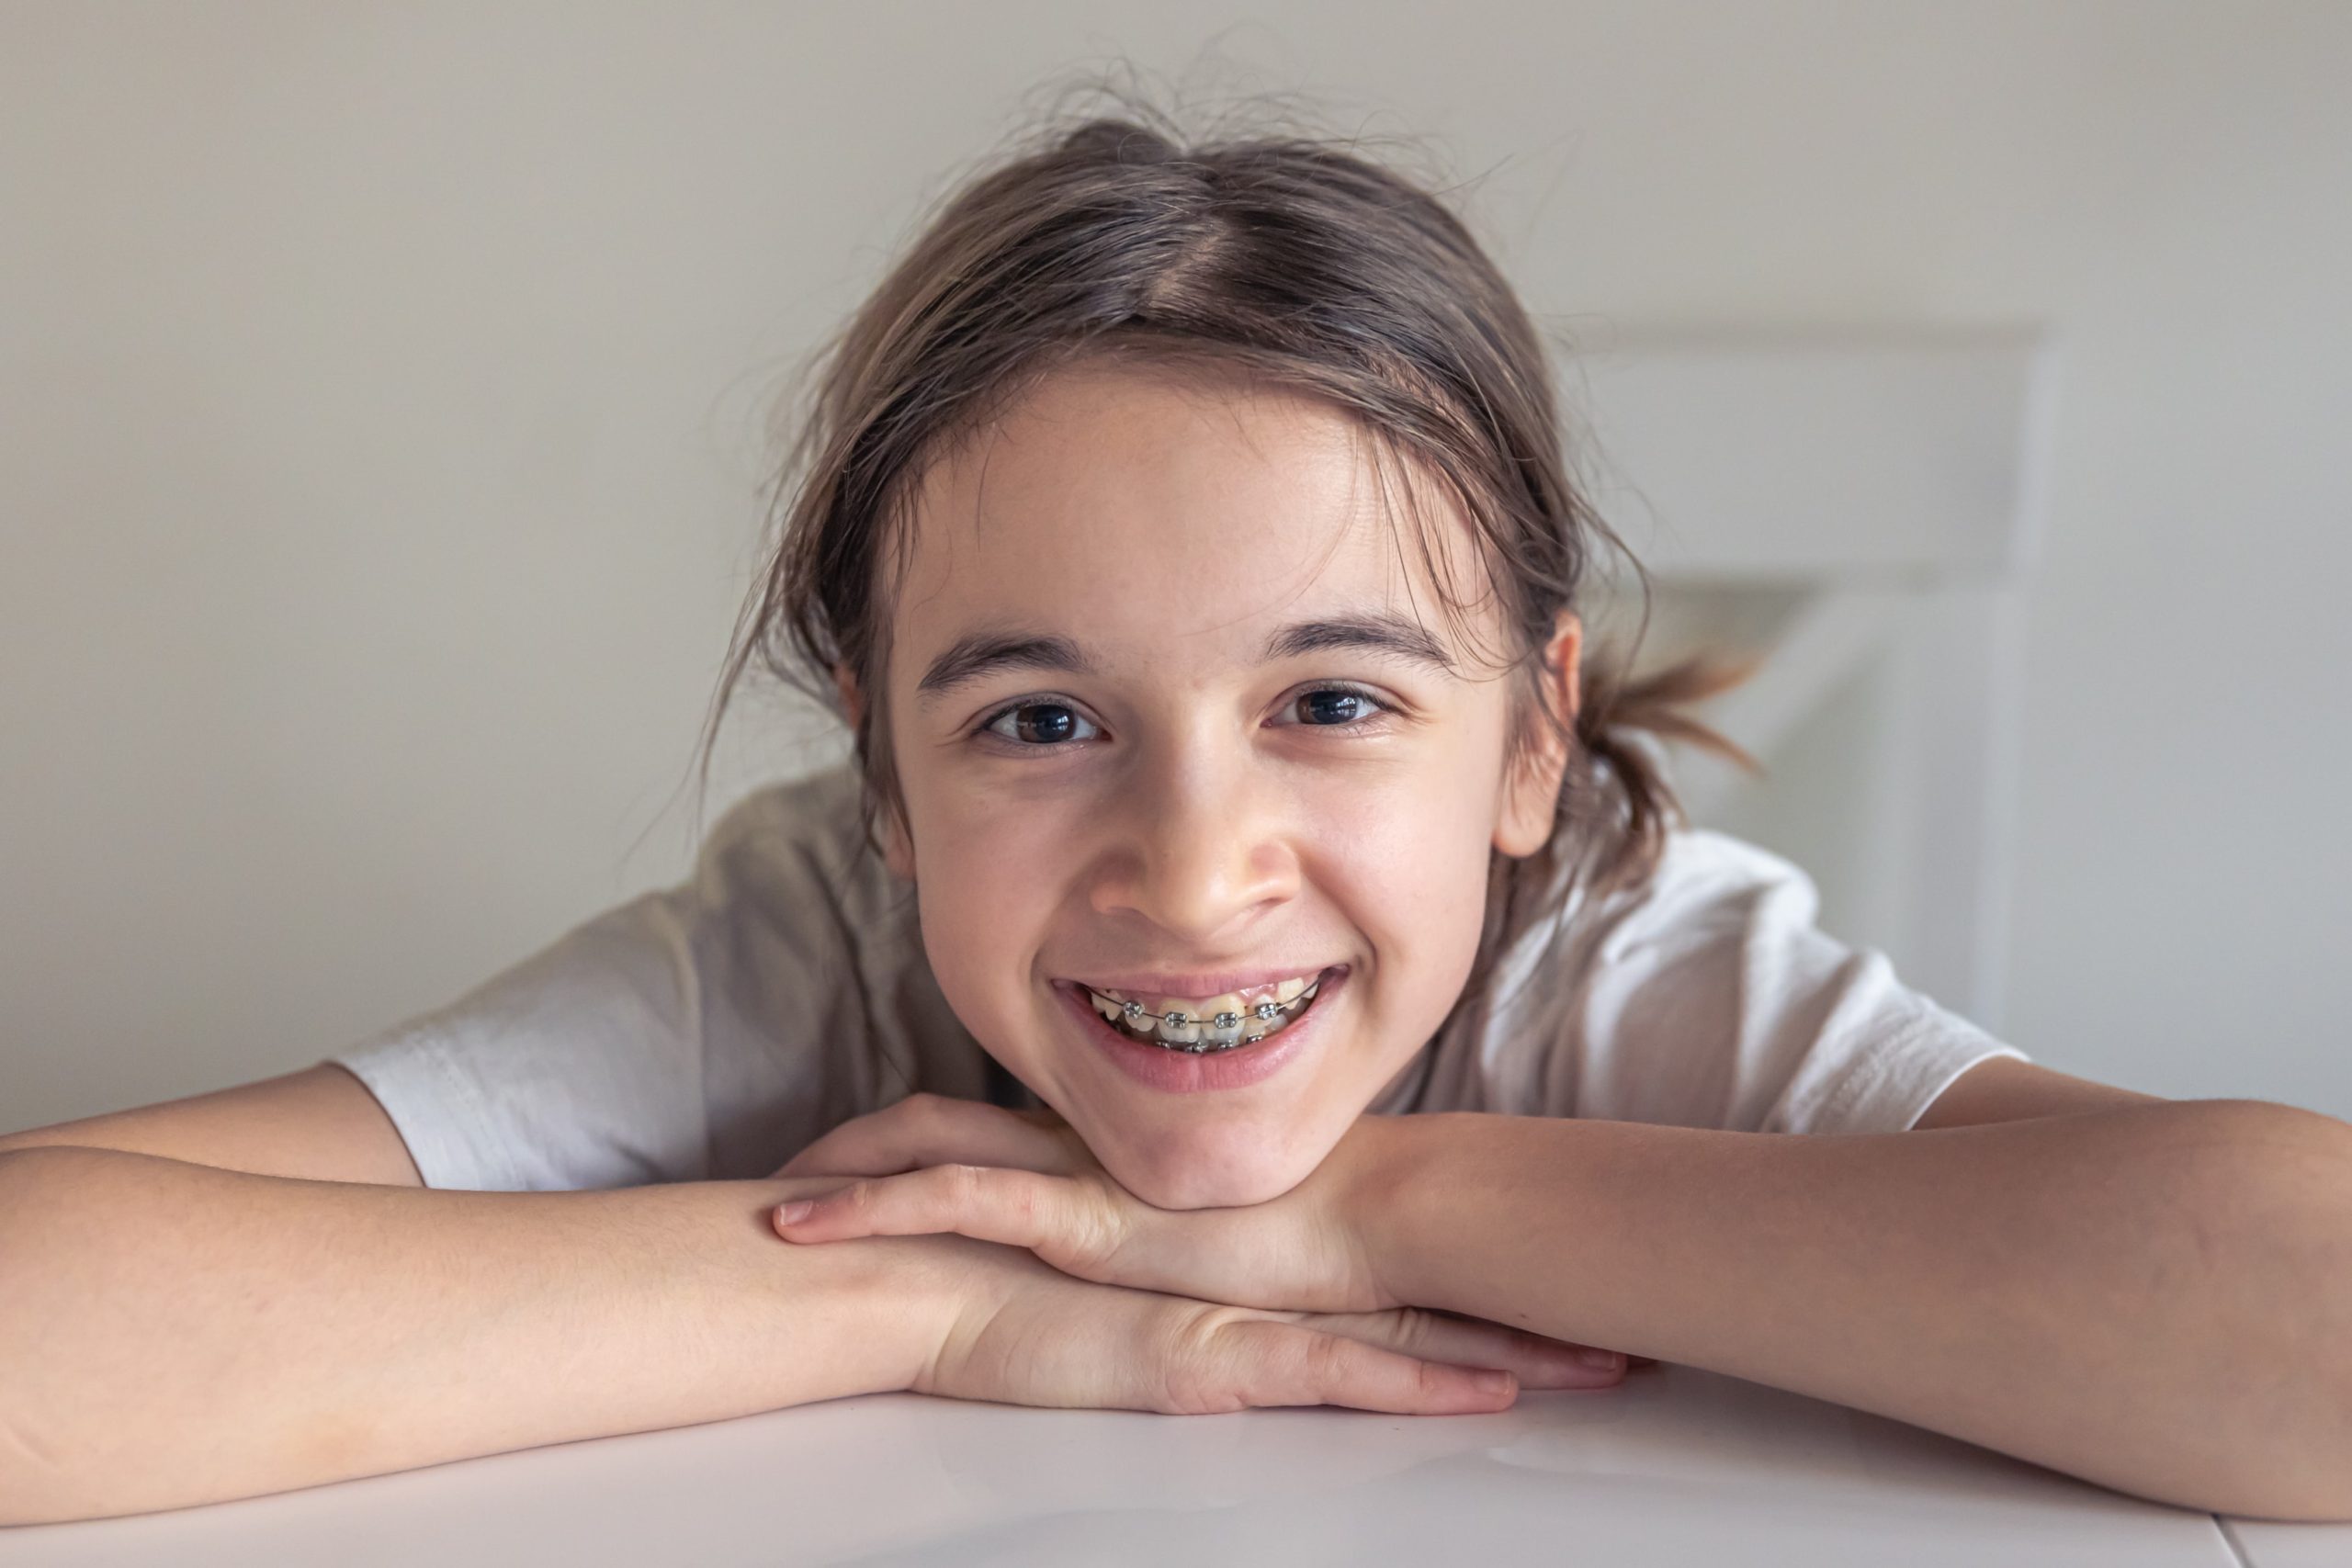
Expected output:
(1576, 986)
(1707, 891)
(813, 814)
(1722, 935)
(1706, 884)
(820, 1004)
(1708, 995)
(796, 848)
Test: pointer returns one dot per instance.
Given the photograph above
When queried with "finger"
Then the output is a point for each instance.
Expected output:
(933, 1129)
(1536, 1359)
(1285, 1363)
(1070, 1224)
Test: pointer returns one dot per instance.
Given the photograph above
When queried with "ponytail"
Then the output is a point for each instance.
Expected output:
(1616, 806)
(1615, 787)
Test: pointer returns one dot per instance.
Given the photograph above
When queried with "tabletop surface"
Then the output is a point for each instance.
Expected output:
(1675, 1465)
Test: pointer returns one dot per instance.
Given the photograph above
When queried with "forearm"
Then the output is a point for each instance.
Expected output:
(172, 1334)
(2156, 1298)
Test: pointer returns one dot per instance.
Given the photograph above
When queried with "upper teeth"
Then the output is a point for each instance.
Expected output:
(1207, 1024)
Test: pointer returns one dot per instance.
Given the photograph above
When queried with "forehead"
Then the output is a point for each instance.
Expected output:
(1162, 514)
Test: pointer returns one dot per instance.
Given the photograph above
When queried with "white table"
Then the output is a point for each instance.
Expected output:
(1674, 1466)
(2267, 1543)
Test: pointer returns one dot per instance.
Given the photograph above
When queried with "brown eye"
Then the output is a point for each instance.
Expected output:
(1038, 724)
(1336, 707)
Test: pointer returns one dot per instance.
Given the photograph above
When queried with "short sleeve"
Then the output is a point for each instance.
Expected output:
(703, 1032)
(579, 1066)
(1717, 1001)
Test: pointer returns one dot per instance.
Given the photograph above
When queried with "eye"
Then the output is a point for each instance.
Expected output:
(1347, 709)
(1037, 725)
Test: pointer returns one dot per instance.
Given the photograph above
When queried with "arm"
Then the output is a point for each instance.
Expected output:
(2154, 1297)
(172, 1334)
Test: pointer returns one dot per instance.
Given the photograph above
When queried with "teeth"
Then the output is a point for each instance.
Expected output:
(1218, 1023)
(1172, 1033)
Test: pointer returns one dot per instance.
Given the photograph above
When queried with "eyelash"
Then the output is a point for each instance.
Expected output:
(984, 731)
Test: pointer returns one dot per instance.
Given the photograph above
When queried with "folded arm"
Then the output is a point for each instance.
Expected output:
(174, 1334)
(2151, 1294)
(2156, 1297)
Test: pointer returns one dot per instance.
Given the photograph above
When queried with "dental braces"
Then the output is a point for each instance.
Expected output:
(1265, 1011)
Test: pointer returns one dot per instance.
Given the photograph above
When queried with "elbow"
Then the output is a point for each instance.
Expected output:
(2305, 1489)
(2282, 1224)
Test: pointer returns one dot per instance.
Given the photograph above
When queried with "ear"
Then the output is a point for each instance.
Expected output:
(1530, 794)
(898, 853)
(852, 702)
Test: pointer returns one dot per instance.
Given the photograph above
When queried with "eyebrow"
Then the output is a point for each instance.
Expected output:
(1382, 634)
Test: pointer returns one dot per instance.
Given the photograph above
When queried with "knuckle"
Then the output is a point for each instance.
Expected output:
(960, 1184)
(1325, 1359)
(1199, 1366)
(1094, 1229)
(1414, 1327)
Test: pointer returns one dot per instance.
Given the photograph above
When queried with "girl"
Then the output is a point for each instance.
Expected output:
(1243, 896)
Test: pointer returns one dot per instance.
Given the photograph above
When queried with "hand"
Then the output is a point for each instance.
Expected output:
(932, 1163)
(1022, 1333)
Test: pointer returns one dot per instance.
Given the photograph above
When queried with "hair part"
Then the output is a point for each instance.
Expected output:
(1287, 259)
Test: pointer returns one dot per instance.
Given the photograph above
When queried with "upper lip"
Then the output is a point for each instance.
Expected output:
(1199, 983)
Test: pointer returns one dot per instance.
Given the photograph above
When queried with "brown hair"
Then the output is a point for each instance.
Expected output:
(1285, 257)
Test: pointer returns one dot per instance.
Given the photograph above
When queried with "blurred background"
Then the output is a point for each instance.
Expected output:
(386, 393)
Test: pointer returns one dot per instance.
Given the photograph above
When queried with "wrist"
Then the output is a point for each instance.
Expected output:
(923, 1298)
(895, 1299)
(1410, 1177)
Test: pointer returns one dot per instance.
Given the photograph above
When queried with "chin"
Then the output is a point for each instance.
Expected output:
(1183, 1179)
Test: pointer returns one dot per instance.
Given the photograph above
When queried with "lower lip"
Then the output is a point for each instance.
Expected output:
(1183, 1072)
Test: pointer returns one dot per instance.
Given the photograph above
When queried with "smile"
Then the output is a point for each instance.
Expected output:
(1211, 1025)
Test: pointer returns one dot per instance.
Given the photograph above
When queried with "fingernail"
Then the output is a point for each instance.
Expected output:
(792, 1214)
(1601, 1360)
(1494, 1382)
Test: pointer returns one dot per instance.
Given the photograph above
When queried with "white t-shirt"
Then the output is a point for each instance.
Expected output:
(711, 1029)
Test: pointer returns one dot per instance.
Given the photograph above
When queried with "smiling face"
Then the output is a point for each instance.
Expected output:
(1169, 702)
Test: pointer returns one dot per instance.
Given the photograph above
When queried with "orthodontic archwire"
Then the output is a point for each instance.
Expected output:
(1264, 1011)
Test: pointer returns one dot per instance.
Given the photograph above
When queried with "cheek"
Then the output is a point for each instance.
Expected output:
(1413, 866)
(985, 889)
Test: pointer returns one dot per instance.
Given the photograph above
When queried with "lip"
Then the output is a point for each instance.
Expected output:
(1199, 984)
(1180, 1072)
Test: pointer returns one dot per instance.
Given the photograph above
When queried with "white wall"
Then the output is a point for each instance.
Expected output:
(379, 422)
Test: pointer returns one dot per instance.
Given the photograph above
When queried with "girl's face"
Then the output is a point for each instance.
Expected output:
(1176, 712)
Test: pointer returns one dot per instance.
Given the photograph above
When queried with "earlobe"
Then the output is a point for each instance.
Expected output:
(897, 853)
(1530, 799)
(846, 684)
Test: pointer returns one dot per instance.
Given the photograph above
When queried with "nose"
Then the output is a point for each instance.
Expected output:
(1199, 848)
